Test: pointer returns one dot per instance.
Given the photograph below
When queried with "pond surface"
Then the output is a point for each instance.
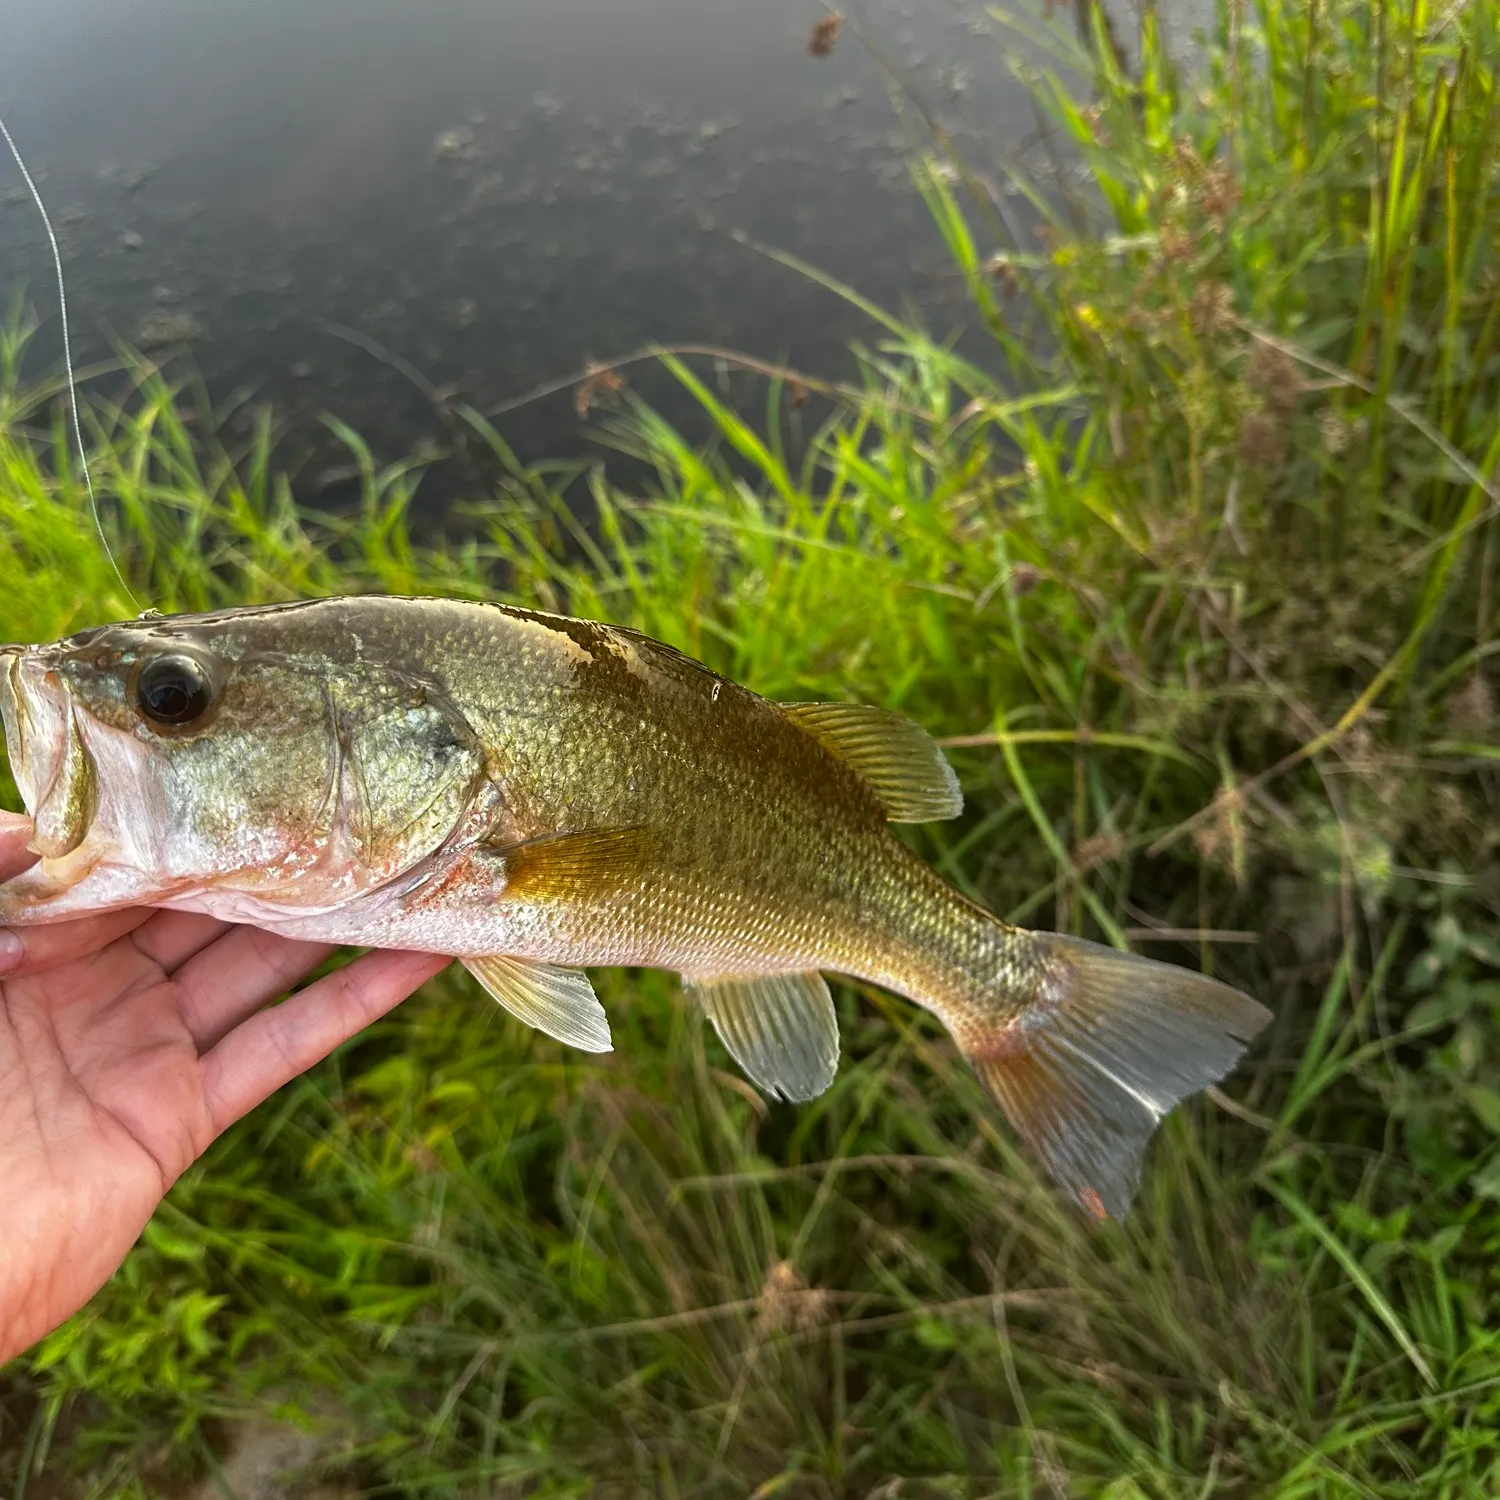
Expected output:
(343, 204)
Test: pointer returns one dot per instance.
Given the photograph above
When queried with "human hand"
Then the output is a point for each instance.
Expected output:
(128, 1041)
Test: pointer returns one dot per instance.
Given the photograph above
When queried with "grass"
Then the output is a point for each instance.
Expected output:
(1203, 600)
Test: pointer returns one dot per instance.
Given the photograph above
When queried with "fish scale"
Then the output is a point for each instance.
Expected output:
(536, 794)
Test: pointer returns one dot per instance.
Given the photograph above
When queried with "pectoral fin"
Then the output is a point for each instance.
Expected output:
(591, 862)
(780, 1028)
(560, 1002)
(903, 765)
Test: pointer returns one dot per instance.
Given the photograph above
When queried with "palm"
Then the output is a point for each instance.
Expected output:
(127, 1043)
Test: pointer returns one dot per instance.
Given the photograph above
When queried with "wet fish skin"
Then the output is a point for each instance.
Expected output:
(479, 780)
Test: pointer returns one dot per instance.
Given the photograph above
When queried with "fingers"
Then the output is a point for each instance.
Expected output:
(15, 832)
(274, 1046)
(170, 938)
(231, 979)
(28, 950)
(167, 938)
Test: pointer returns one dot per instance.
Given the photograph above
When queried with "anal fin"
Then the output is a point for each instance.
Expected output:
(780, 1028)
(559, 1001)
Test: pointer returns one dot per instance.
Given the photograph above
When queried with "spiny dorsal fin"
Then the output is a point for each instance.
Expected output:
(560, 865)
(780, 1028)
(560, 1002)
(902, 763)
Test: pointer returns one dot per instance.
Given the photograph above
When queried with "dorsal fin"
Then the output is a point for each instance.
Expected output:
(902, 763)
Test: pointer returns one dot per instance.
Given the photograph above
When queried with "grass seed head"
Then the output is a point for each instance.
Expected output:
(1273, 374)
(1212, 308)
(1471, 709)
(1262, 442)
(824, 34)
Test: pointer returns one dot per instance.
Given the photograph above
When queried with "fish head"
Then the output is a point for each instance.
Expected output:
(173, 759)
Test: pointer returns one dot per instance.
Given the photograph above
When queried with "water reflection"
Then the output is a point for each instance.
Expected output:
(492, 193)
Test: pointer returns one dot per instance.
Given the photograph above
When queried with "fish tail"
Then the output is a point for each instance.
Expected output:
(1103, 1046)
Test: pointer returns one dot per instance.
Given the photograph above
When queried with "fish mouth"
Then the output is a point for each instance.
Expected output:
(49, 756)
(33, 714)
(63, 762)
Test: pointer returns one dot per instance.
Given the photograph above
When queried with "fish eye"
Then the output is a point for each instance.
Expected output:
(174, 690)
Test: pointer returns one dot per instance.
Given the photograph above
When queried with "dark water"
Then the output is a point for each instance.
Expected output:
(492, 192)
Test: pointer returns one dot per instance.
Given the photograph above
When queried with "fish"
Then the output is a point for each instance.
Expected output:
(536, 795)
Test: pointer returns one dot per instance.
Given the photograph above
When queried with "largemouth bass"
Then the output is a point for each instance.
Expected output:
(533, 795)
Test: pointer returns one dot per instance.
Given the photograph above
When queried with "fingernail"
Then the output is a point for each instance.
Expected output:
(12, 950)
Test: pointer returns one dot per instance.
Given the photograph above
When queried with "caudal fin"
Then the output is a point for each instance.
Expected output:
(1110, 1044)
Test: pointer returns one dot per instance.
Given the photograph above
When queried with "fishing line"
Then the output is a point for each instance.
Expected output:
(62, 307)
